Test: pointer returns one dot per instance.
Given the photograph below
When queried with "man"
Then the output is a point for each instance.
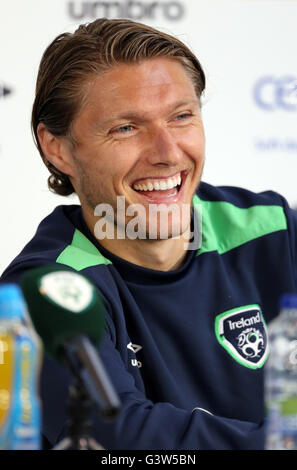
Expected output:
(117, 119)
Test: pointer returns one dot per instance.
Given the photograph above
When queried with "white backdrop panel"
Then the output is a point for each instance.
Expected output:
(248, 50)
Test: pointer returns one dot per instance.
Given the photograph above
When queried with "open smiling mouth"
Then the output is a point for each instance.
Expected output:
(161, 189)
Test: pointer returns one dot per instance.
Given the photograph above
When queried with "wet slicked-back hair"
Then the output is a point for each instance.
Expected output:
(70, 60)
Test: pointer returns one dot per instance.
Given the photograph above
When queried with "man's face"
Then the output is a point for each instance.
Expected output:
(139, 135)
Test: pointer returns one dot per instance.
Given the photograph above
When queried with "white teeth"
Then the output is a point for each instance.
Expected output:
(161, 185)
(171, 183)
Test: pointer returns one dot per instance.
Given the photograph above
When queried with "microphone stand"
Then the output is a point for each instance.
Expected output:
(79, 421)
(91, 387)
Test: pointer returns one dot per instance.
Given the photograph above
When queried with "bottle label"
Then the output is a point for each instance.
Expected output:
(25, 428)
(20, 410)
(6, 385)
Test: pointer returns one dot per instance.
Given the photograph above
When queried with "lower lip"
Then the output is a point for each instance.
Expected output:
(175, 198)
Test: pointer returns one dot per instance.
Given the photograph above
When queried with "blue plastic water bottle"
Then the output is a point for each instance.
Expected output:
(20, 360)
(281, 378)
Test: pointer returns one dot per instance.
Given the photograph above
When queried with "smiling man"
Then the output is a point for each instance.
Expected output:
(117, 119)
(138, 135)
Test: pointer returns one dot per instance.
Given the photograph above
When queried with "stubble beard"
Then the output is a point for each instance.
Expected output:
(91, 196)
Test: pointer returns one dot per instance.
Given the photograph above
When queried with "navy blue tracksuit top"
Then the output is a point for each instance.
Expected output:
(185, 349)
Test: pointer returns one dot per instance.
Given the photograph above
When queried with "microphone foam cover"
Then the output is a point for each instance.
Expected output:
(62, 304)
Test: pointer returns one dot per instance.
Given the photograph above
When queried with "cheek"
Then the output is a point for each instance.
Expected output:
(193, 144)
(110, 171)
(124, 160)
(120, 156)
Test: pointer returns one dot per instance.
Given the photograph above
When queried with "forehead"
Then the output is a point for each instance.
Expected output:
(152, 82)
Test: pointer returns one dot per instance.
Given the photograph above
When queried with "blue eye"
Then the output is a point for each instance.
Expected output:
(124, 129)
(183, 116)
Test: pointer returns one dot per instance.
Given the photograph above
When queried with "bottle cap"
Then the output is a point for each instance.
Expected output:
(12, 302)
(288, 301)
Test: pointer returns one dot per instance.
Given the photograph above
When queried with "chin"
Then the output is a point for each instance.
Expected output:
(169, 230)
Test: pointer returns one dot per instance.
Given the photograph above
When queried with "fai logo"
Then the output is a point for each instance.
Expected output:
(68, 290)
(242, 332)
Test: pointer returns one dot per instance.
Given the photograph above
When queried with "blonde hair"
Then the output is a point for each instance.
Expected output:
(93, 48)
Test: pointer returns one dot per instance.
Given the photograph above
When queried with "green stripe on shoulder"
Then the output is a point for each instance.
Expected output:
(81, 253)
(226, 226)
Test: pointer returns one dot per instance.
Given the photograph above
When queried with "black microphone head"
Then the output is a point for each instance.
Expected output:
(62, 304)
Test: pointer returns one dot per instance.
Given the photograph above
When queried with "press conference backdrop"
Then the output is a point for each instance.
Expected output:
(248, 51)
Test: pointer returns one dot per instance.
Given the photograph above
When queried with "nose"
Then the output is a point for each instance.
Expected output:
(163, 149)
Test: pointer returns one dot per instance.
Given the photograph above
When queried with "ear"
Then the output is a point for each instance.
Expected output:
(56, 150)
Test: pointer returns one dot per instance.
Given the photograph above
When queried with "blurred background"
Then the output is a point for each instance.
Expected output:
(248, 51)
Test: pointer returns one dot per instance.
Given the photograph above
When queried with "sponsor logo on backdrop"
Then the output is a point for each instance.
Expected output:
(273, 93)
(4, 90)
(171, 10)
(276, 144)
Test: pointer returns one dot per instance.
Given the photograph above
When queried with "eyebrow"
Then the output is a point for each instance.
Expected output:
(131, 116)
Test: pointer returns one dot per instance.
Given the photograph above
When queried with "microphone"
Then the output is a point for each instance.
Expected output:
(68, 314)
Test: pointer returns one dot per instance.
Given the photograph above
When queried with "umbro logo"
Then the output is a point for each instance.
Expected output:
(135, 348)
(242, 332)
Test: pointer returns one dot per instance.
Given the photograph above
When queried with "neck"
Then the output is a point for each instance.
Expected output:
(162, 255)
